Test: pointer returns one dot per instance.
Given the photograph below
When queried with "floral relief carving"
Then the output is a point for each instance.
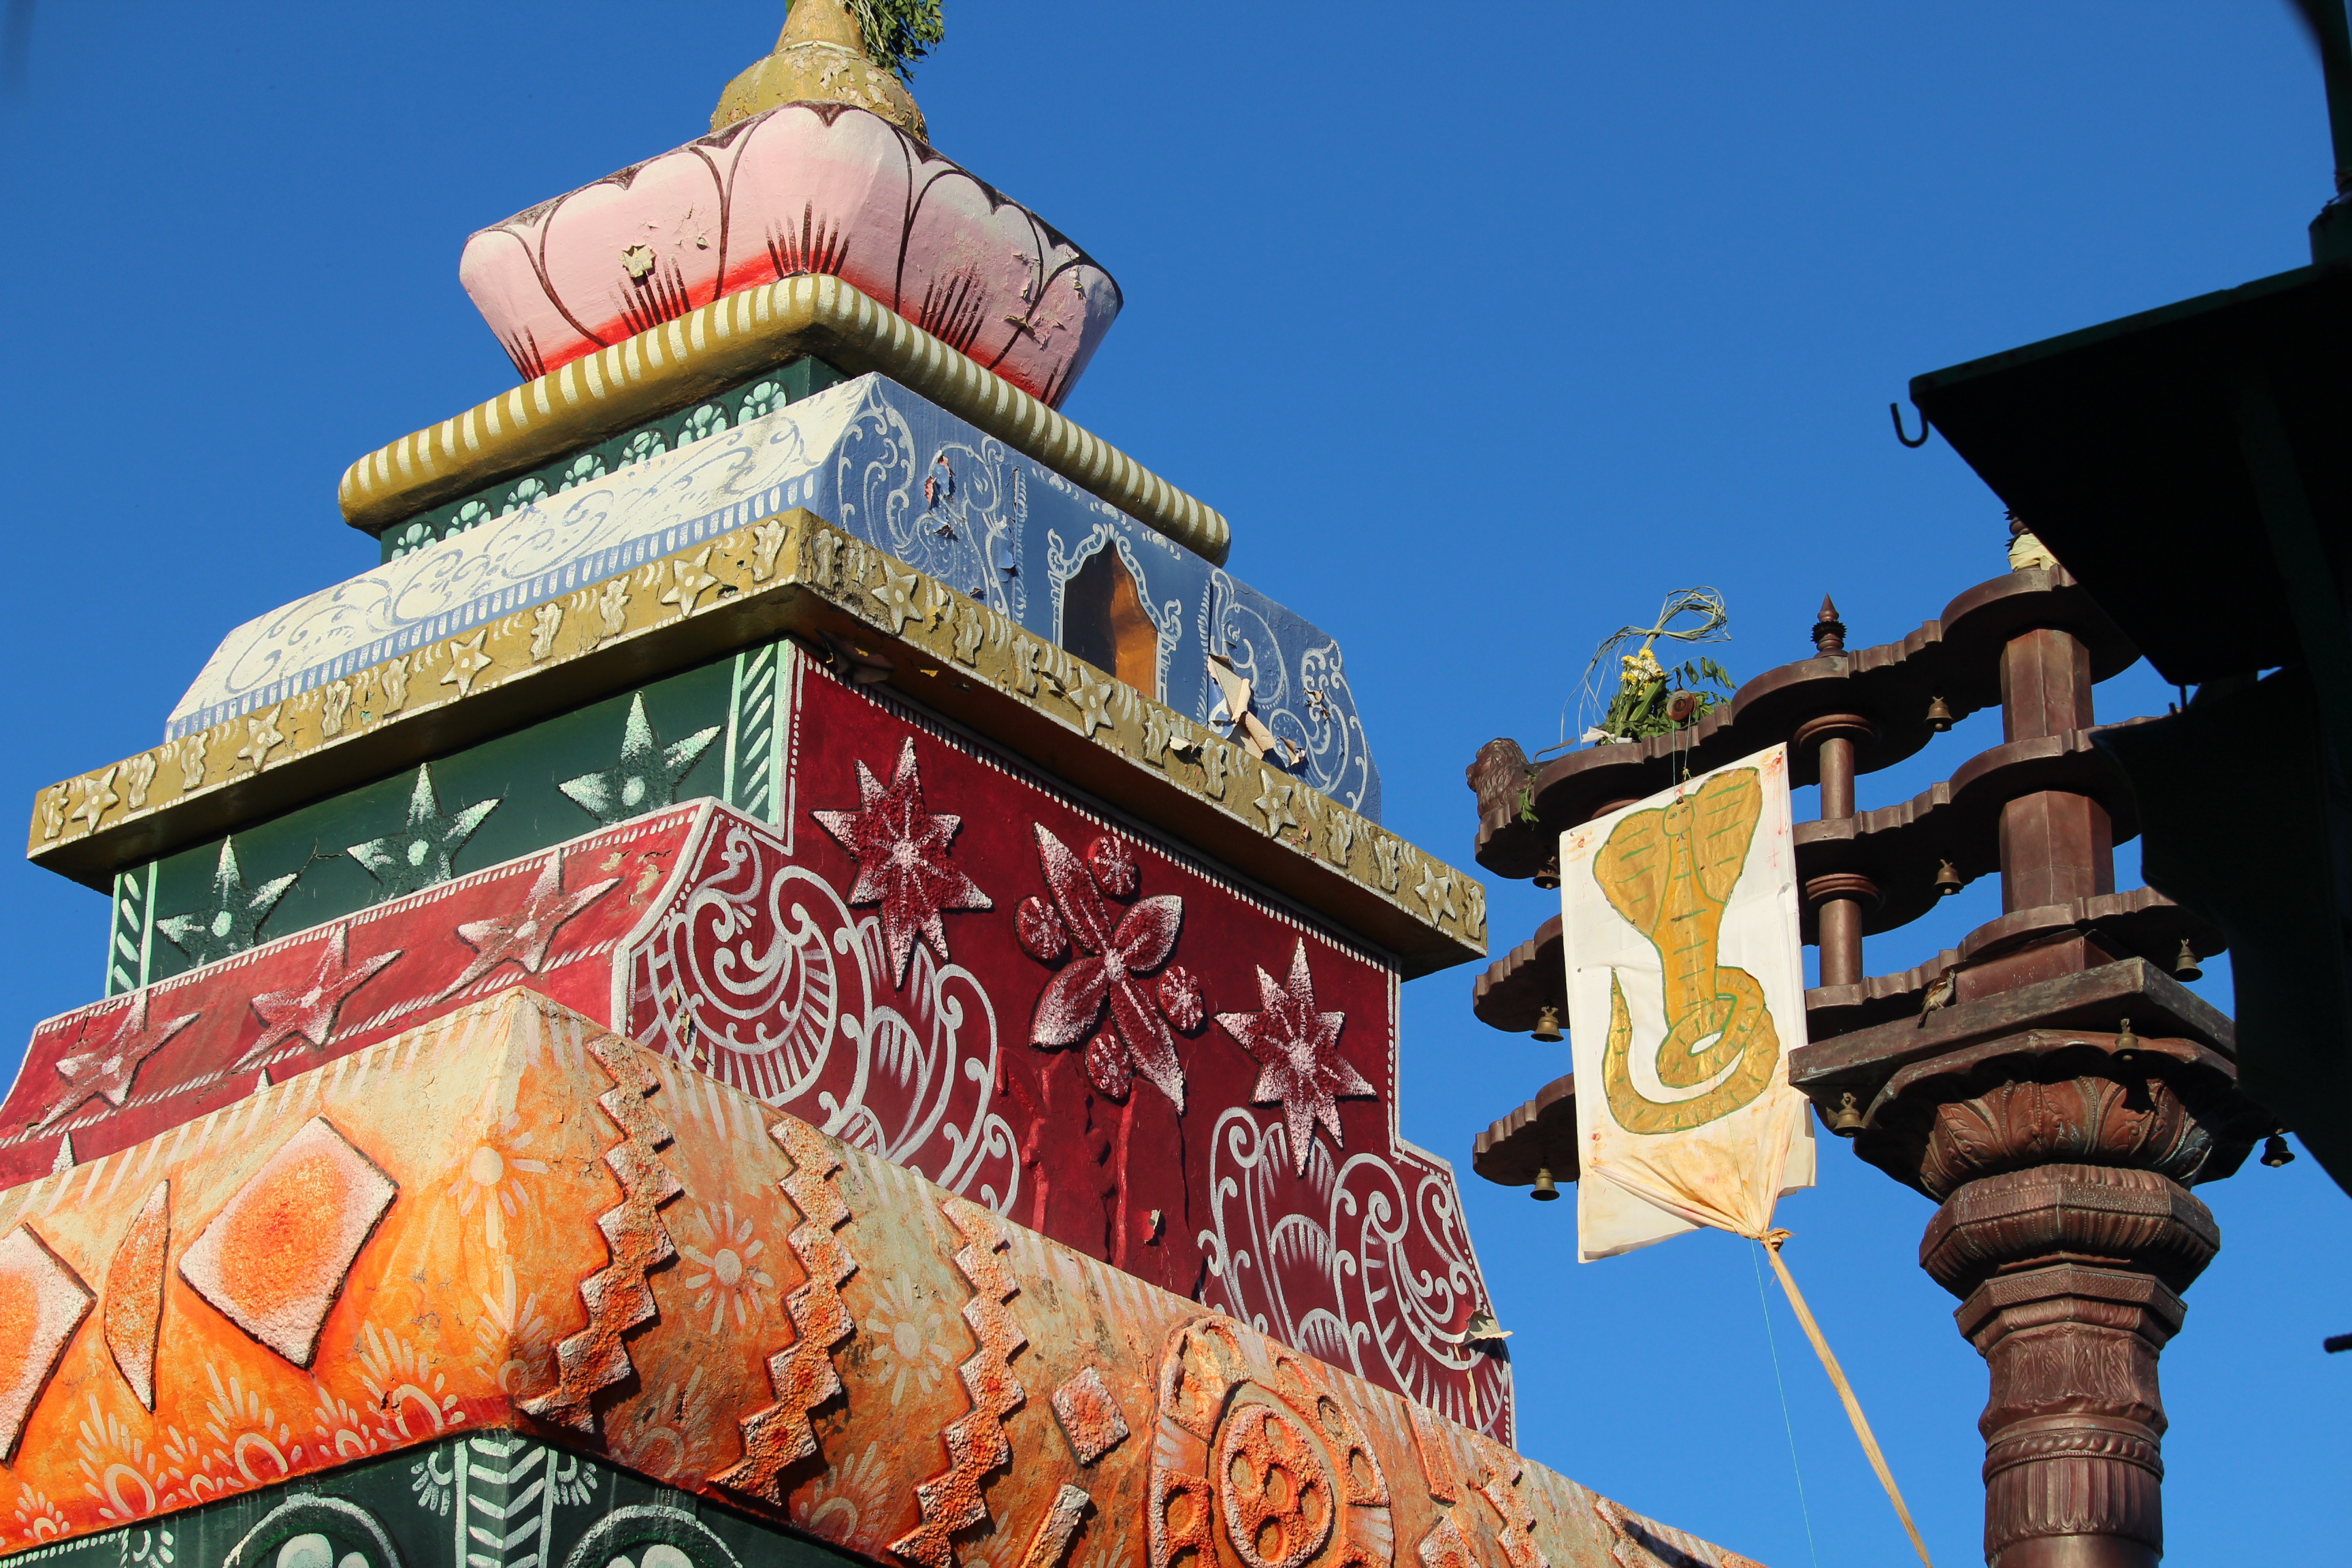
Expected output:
(2128, 1120)
(334, 705)
(612, 604)
(545, 622)
(394, 682)
(1116, 951)
(139, 776)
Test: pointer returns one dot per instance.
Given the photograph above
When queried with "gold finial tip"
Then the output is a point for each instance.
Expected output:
(819, 58)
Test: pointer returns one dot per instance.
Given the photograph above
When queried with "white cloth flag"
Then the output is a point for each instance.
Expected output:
(1686, 993)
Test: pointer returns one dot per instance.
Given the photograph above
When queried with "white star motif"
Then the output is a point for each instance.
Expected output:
(97, 798)
(1436, 890)
(467, 662)
(647, 776)
(1091, 698)
(690, 580)
(897, 596)
(105, 1071)
(1274, 803)
(262, 737)
(425, 851)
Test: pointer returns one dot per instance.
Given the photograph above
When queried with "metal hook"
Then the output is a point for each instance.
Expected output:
(1895, 412)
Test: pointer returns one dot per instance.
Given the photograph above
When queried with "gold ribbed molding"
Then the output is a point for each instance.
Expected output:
(721, 344)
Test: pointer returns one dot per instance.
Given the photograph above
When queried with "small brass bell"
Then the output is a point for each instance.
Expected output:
(2186, 966)
(1948, 880)
(1845, 1120)
(1939, 716)
(2276, 1153)
(1547, 1027)
(1546, 1192)
(1547, 879)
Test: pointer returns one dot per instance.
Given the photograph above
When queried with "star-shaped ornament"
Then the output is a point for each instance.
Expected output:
(1297, 1051)
(902, 861)
(523, 937)
(234, 922)
(308, 1010)
(647, 775)
(423, 852)
(105, 1071)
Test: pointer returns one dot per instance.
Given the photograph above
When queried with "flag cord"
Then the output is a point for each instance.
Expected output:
(1772, 1343)
(1772, 1240)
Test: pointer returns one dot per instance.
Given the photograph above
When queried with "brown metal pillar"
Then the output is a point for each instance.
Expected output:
(2070, 1276)
(2055, 847)
(2059, 1143)
(1839, 899)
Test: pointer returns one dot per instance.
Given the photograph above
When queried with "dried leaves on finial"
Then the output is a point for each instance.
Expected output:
(1647, 698)
(898, 32)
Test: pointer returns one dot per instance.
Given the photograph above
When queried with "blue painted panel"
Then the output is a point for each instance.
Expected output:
(883, 464)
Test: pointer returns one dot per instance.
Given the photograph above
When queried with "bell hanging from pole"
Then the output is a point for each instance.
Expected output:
(1547, 1030)
(1948, 880)
(1547, 1191)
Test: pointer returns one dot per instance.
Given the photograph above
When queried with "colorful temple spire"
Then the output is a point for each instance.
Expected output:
(849, 1008)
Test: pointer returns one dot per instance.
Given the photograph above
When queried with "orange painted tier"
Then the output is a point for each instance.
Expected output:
(510, 1218)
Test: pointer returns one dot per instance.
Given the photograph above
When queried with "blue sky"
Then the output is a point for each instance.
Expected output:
(1486, 326)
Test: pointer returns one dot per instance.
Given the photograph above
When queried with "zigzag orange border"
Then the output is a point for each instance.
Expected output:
(975, 1440)
(1499, 1471)
(803, 1372)
(618, 1295)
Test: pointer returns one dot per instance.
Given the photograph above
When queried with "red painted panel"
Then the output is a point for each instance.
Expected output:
(936, 956)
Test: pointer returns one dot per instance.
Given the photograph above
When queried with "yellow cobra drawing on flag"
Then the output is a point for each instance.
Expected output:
(1670, 872)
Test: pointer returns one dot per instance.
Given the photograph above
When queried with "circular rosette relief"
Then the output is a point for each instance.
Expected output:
(1258, 1461)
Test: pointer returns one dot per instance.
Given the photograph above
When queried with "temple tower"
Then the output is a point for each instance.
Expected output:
(795, 970)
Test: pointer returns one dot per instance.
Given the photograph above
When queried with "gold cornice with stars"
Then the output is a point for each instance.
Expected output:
(793, 573)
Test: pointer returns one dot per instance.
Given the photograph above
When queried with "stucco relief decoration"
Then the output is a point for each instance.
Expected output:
(1250, 1446)
(1298, 1050)
(1111, 960)
(961, 523)
(105, 1067)
(1298, 689)
(804, 188)
(902, 860)
(523, 936)
(47, 1302)
(1365, 1263)
(758, 972)
(275, 1258)
(305, 1014)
